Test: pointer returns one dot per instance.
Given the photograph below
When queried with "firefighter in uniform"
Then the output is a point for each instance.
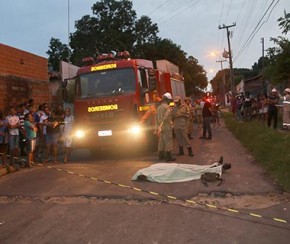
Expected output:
(286, 109)
(164, 122)
(149, 120)
(187, 101)
(181, 117)
(150, 116)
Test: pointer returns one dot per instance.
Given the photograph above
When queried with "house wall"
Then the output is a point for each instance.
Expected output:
(23, 76)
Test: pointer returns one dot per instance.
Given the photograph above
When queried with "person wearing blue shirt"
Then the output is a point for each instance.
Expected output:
(31, 130)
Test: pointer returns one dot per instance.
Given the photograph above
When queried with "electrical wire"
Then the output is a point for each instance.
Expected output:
(263, 23)
(229, 8)
(257, 28)
(167, 17)
(158, 7)
(248, 18)
(239, 14)
(220, 18)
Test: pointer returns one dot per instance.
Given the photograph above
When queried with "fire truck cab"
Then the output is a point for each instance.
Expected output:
(110, 97)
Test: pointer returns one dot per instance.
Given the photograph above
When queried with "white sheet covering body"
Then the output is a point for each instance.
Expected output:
(173, 172)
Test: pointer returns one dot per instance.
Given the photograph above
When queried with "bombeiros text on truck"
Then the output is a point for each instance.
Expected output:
(112, 93)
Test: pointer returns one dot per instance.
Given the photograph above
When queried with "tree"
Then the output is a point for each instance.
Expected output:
(193, 73)
(279, 60)
(115, 27)
(116, 22)
(83, 41)
(145, 33)
(57, 52)
(194, 76)
(284, 23)
(221, 82)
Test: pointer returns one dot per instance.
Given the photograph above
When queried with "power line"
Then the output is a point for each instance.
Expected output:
(264, 22)
(257, 28)
(246, 23)
(219, 23)
(241, 11)
(177, 11)
(158, 7)
(229, 8)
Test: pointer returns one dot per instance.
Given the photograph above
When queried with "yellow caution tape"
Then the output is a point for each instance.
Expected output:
(172, 197)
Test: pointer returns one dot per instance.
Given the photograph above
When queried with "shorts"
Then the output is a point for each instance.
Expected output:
(31, 145)
(13, 142)
(265, 110)
(51, 139)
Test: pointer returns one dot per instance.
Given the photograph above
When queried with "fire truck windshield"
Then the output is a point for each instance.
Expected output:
(106, 83)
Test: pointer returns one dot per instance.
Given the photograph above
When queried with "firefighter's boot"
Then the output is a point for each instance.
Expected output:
(169, 158)
(190, 153)
(181, 152)
(161, 155)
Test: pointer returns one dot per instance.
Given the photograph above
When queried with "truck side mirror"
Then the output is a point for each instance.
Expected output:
(144, 90)
(152, 83)
(152, 79)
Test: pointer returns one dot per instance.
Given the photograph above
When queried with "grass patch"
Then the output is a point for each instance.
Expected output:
(270, 148)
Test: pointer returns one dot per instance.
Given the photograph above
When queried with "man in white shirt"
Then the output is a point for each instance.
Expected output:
(13, 126)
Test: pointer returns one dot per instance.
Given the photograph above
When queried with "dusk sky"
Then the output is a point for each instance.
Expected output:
(191, 24)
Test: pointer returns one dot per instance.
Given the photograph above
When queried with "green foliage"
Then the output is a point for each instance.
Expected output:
(194, 75)
(57, 51)
(269, 147)
(279, 60)
(83, 40)
(115, 27)
(284, 23)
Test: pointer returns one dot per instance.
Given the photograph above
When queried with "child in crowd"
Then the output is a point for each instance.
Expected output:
(31, 130)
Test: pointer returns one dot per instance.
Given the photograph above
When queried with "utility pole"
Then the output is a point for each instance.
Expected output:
(221, 62)
(263, 49)
(230, 55)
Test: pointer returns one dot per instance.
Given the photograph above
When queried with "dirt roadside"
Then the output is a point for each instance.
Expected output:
(246, 184)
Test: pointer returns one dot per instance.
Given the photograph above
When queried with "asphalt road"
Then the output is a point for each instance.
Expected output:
(94, 200)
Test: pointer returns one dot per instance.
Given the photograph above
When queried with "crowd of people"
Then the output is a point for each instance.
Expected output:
(245, 107)
(37, 134)
(44, 134)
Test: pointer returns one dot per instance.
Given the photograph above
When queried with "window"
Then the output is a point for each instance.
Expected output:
(109, 82)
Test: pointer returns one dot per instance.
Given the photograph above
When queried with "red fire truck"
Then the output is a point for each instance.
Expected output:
(112, 94)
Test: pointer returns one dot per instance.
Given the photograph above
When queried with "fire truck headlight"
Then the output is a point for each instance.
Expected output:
(136, 130)
(80, 134)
